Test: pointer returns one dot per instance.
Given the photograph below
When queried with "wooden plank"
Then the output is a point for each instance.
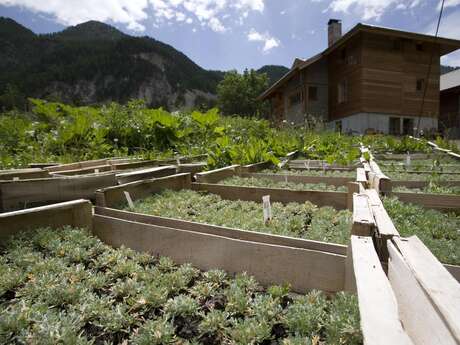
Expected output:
(191, 168)
(423, 184)
(338, 200)
(216, 175)
(378, 180)
(378, 308)
(143, 174)
(223, 231)
(454, 155)
(114, 196)
(385, 226)
(269, 264)
(135, 165)
(193, 159)
(437, 283)
(363, 219)
(419, 316)
(353, 187)
(23, 174)
(77, 165)
(16, 195)
(77, 213)
(84, 171)
(361, 176)
(328, 180)
(444, 202)
(42, 165)
(255, 167)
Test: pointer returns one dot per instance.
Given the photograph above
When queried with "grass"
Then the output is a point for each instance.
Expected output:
(66, 287)
(438, 231)
(268, 183)
(297, 220)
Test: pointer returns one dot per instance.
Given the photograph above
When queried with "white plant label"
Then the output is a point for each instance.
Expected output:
(267, 208)
(130, 201)
(96, 171)
(178, 161)
(15, 178)
(408, 159)
(307, 164)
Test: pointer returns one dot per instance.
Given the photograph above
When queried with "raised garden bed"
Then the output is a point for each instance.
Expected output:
(67, 286)
(270, 182)
(295, 220)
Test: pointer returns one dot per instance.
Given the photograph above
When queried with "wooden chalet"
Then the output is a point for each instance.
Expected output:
(372, 79)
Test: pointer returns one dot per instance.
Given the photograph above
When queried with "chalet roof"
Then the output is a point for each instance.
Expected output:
(447, 46)
(450, 80)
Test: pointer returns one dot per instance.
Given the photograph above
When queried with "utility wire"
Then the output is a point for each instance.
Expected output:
(429, 70)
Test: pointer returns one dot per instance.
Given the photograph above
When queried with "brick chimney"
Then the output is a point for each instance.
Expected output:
(334, 31)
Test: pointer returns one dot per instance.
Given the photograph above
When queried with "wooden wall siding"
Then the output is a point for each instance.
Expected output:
(389, 76)
(316, 75)
(339, 70)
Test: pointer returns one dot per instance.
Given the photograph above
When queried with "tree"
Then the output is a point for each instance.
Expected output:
(237, 93)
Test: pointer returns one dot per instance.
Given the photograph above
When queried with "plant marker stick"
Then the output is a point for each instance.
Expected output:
(408, 159)
(15, 178)
(130, 201)
(267, 208)
(96, 171)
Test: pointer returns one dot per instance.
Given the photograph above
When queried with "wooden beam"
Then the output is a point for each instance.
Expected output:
(142, 174)
(216, 175)
(436, 282)
(328, 180)
(419, 316)
(378, 308)
(23, 174)
(270, 264)
(363, 219)
(447, 202)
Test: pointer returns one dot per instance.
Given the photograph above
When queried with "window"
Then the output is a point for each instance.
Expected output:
(312, 93)
(294, 98)
(342, 92)
(408, 127)
(343, 55)
(338, 126)
(420, 84)
(395, 126)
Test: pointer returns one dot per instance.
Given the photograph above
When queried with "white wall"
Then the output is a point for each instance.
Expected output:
(379, 122)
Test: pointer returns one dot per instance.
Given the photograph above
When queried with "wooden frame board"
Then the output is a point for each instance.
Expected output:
(16, 195)
(425, 313)
(378, 307)
(443, 202)
(77, 213)
(77, 165)
(23, 174)
(270, 264)
(216, 175)
(142, 174)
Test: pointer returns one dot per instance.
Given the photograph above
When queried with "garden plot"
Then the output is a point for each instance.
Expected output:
(67, 286)
(438, 231)
(294, 213)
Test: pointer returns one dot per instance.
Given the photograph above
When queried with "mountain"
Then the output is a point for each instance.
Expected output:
(274, 72)
(95, 63)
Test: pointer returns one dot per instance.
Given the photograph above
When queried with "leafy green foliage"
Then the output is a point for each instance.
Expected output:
(437, 230)
(51, 297)
(237, 93)
(296, 220)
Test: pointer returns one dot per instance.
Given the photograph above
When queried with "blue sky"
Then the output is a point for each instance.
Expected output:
(235, 34)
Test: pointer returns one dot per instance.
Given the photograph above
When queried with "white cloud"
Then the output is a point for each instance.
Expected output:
(268, 41)
(371, 9)
(450, 3)
(132, 13)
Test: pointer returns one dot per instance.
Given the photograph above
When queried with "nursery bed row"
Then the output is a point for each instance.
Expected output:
(67, 286)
